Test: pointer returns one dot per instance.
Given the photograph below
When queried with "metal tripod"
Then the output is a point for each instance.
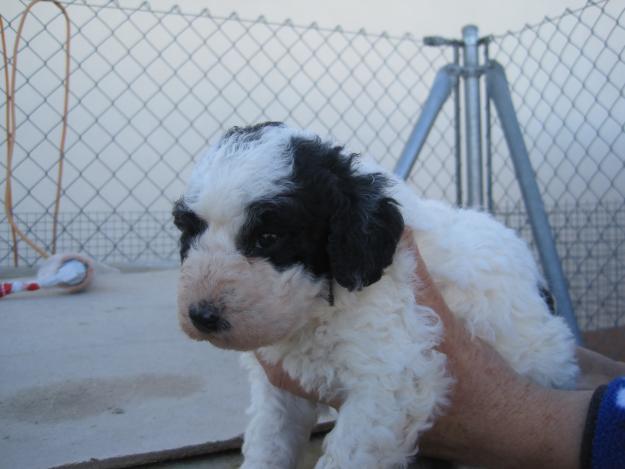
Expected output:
(498, 93)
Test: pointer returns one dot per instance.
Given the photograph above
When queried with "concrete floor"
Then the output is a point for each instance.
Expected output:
(230, 460)
(108, 373)
(233, 459)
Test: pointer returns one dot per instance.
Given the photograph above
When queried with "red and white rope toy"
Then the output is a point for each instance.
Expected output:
(72, 272)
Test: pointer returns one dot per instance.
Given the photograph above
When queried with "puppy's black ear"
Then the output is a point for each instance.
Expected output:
(364, 231)
(362, 224)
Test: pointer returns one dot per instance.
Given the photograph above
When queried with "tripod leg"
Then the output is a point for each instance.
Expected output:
(441, 89)
(499, 93)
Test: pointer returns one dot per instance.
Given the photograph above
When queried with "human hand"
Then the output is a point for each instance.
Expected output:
(597, 369)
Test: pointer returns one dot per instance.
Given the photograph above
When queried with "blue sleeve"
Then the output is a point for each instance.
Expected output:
(606, 416)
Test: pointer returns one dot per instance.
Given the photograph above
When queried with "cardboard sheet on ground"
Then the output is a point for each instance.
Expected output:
(109, 373)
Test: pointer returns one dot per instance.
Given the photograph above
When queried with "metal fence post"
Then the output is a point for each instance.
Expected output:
(498, 91)
(457, 131)
(475, 183)
(444, 82)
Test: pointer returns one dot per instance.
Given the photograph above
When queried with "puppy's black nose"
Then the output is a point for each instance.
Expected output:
(206, 317)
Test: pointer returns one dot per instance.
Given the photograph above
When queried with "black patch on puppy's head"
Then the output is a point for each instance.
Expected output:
(334, 221)
(364, 225)
(191, 226)
(250, 133)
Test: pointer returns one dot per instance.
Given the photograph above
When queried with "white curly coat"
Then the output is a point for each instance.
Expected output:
(375, 348)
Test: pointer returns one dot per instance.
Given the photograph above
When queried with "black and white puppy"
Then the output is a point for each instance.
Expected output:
(292, 248)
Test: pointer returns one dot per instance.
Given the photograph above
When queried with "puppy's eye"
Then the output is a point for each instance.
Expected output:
(266, 240)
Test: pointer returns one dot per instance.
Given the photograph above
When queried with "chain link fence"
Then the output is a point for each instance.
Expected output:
(150, 89)
(567, 78)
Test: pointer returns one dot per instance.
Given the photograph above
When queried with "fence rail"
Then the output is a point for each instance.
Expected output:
(150, 89)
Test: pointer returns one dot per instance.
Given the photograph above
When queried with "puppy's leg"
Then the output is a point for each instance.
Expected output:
(375, 432)
(279, 427)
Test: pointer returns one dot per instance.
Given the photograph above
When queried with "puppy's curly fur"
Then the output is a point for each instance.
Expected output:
(292, 248)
